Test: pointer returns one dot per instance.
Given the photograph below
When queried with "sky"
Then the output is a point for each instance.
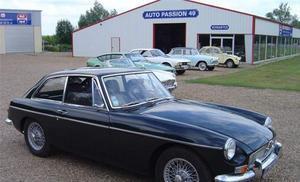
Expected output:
(55, 10)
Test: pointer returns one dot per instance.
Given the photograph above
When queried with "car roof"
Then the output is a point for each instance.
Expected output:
(143, 49)
(183, 48)
(210, 47)
(96, 71)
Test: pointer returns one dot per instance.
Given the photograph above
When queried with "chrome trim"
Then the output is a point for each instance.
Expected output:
(60, 117)
(8, 121)
(122, 130)
(65, 88)
(260, 168)
(235, 178)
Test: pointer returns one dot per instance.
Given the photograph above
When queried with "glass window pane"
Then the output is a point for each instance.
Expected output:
(262, 47)
(79, 91)
(53, 89)
(256, 48)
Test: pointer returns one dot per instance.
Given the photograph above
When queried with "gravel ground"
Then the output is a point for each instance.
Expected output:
(18, 72)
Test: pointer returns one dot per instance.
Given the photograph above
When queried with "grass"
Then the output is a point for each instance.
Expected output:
(282, 75)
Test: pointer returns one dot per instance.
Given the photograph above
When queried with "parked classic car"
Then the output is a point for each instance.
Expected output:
(231, 61)
(167, 78)
(202, 62)
(126, 117)
(138, 60)
(157, 56)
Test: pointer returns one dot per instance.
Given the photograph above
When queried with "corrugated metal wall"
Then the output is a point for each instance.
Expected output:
(19, 39)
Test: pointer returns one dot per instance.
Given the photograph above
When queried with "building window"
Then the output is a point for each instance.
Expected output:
(263, 47)
(256, 48)
(280, 47)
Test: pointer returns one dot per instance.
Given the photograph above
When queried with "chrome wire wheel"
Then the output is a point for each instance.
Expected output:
(180, 170)
(36, 136)
(202, 66)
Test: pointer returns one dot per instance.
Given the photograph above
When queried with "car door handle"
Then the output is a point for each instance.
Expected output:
(62, 112)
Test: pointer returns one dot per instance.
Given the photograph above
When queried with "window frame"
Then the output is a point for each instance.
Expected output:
(43, 83)
(94, 79)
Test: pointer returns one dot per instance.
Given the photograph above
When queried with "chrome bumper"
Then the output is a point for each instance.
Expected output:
(8, 121)
(261, 168)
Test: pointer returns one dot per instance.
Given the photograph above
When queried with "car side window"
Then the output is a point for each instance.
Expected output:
(115, 56)
(177, 52)
(52, 89)
(79, 91)
(147, 54)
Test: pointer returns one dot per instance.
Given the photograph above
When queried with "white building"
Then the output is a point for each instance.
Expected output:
(171, 23)
(20, 31)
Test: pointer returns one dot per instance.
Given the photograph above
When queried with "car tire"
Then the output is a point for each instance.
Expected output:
(187, 158)
(36, 138)
(180, 72)
(230, 63)
(210, 68)
(202, 66)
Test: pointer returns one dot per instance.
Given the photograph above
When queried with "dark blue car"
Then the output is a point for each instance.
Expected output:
(125, 117)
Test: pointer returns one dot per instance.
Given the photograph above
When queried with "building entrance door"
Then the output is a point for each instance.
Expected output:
(115, 44)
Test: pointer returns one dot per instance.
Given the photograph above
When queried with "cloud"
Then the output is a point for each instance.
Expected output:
(54, 10)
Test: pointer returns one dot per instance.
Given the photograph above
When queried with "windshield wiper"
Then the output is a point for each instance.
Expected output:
(131, 103)
(152, 99)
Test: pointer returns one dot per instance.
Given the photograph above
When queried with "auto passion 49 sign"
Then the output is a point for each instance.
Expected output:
(15, 18)
(183, 13)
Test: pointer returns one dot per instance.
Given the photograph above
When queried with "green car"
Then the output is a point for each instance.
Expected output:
(137, 59)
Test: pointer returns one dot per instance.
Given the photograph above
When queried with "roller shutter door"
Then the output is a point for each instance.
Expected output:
(19, 39)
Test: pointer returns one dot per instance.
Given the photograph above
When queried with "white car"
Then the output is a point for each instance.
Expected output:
(157, 56)
(168, 79)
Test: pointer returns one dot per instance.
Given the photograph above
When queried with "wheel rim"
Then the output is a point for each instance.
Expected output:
(202, 66)
(180, 170)
(229, 64)
(36, 136)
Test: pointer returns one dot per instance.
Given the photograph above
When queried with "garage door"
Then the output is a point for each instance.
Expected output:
(19, 39)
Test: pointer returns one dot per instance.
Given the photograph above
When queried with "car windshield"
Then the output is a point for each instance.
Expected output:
(136, 57)
(123, 63)
(158, 53)
(134, 89)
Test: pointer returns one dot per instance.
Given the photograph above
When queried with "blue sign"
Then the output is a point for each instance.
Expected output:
(15, 18)
(285, 31)
(219, 27)
(183, 13)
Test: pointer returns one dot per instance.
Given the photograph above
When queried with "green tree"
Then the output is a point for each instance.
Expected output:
(98, 12)
(50, 39)
(281, 14)
(64, 31)
(295, 21)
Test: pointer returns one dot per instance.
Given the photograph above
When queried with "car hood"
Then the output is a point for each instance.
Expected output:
(215, 118)
(164, 75)
(154, 66)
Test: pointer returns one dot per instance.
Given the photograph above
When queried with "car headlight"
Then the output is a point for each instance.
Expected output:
(268, 122)
(229, 149)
